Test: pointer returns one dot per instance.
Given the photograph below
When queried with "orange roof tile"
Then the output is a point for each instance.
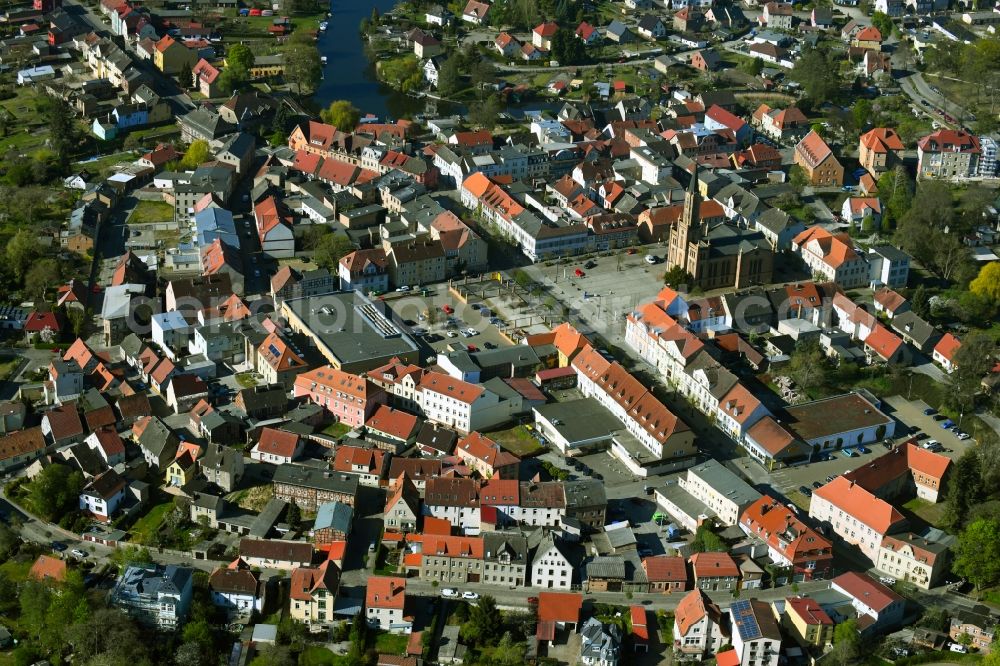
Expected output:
(860, 504)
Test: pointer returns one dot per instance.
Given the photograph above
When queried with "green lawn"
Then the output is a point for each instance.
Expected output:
(387, 643)
(246, 380)
(316, 655)
(518, 441)
(337, 429)
(146, 527)
(933, 514)
(148, 212)
(6, 367)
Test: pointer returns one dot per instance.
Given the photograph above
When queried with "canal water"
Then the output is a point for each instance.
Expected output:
(348, 74)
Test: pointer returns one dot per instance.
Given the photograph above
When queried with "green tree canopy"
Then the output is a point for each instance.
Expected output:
(341, 114)
(987, 283)
(197, 154)
(55, 491)
(977, 552)
(329, 250)
(303, 68)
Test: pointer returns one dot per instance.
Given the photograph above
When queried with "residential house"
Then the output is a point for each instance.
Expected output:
(756, 637)
(600, 643)
(777, 15)
(913, 559)
(980, 627)
(878, 607)
(557, 611)
(949, 155)
(276, 553)
(666, 573)
(780, 124)
(806, 621)
(170, 56)
(385, 600)
(312, 593)
(855, 515)
(715, 571)
(551, 569)
(879, 150)
(310, 488)
(154, 595)
(392, 430)
(699, 626)
(102, 496)
(790, 542)
(369, 464)
(402, 507)
(351, 399)
(945, 351)
(236, 589)
(278, 361)
(277, 447)
(486, 457)
(818, 161)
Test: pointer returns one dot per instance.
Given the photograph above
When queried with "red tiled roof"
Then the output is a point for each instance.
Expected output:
(385, 592)
(872, 593)
(559, 607)
(664, 568)
(277, 442)
(947, 346)
(50, 568)
(713, 565)
(860, 504)
(692, 607)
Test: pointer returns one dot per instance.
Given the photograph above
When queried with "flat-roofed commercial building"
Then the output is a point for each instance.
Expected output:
(353, 332)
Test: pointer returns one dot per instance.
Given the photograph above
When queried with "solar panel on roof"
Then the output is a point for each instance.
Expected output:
(744, 619)
(273, 349)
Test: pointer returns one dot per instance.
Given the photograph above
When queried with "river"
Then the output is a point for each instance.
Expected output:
(348, 74)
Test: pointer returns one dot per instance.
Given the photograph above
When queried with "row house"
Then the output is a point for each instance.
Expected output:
(666, 441)
(350, 399)
(855, 515)
(452, 560)
(790, 542)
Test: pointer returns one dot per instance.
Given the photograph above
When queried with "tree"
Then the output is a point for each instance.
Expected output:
(816, 71)
(294, 516)
(846, 642)
(330, 249)
(450, 76)
(707, 541)
(485, 622)
(798, 178)
(189, 654)
(42, 275)
(9, 541)
(678, 278)
(868, 225)
(977, 552)
(123, 557)
(63, 132)
(972, 360)
(884, 24)
(55, 490)
(185, 77)
(920, 302)
(197, 154)
(230, 81)
(341, 114)
(808, 365)
(22, 251)
(987, 284)
(485, 113)
(240, 59)
(303, 68)
(965, 488)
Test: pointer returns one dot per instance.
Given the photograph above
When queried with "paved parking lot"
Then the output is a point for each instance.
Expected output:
(911, 413)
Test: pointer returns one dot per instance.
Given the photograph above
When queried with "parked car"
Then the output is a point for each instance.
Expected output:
(469, 595)
(849, 453)
(964, 436)
(579, 273)
(452, 334)
(958, 647)
(864, 449)
(805, 491)
(651, 259)
(489, 345)
(403, 288)
(449, 592)
(930, 411)
(590, 264)
(447, 309)
(817, 484)
(76, 552)
(947, 424)
(58, 546)
(830, 478)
